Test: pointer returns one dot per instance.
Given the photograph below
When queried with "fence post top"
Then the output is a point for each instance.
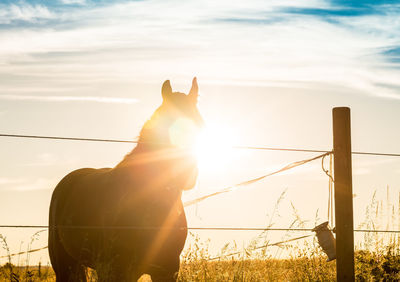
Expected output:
(341, 109)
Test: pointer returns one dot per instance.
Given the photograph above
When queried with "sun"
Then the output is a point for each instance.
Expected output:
(214, 147)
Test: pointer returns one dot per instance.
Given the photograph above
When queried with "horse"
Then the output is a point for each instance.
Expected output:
(129, 220)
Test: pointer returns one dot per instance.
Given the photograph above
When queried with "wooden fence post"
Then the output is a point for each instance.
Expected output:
(343, 194)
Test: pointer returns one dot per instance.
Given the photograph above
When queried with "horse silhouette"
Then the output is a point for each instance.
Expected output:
(129, 220)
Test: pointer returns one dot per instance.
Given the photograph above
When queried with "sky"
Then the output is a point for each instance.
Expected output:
(269, 74)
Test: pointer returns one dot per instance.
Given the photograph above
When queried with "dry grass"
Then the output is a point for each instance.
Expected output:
(377, 257)
(369, 267)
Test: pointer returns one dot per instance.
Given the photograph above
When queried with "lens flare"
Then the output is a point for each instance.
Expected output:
(183, 133)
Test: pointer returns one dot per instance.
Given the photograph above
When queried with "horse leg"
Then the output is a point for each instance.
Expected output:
(66, 267)
(165, 273)
(117, 274)
(164, 276)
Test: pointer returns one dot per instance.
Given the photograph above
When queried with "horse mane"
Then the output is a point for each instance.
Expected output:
(145, 140)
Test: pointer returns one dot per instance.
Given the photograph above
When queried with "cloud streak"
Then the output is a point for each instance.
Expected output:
(23, 11)
(37, 184)
(69, 2)
(255, 43)
(113, 100)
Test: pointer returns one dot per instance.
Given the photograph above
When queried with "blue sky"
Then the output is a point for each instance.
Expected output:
(38, 34)
(269, 72)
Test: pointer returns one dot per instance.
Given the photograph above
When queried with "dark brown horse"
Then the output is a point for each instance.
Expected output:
(129, 220)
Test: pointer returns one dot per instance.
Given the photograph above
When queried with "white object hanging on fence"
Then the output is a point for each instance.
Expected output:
(326, 240)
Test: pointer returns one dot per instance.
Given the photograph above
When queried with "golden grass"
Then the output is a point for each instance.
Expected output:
(377, 257)
(369, 267)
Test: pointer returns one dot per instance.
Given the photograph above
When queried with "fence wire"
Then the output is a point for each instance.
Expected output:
(235, 147)
(190, 228)
(224, 190)
(241, 184)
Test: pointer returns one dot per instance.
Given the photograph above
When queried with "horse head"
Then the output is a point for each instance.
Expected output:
(170, 135)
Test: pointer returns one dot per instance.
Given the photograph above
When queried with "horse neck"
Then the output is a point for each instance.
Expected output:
(141, 155)
(144, 167)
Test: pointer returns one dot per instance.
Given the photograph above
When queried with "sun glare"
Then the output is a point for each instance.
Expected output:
(213, 145)
(214, 148)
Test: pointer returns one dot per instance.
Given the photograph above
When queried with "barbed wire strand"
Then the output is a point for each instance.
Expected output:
(227, 189)
(235, 147)
(155, 227)
(68, 138)
(376, 154)
(214, 258)
(260, 247)
(191, 228)
(235, 253)
(136, 142)
(192, 202)
(232, 187)
(27, 252)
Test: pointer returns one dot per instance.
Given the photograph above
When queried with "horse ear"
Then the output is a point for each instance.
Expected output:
(194, 91)
(166, 90)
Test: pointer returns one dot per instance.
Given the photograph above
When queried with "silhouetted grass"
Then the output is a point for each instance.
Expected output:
(377, 257)
(370, 266)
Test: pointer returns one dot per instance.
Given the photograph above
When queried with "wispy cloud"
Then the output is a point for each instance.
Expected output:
(392, 54)
(9, 181)
(69, 2)
(37, 184)
(19, 184)
(114, 100)
(23, 11)
(255, 43)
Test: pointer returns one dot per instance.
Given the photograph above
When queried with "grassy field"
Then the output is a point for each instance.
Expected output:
(306, 263)
(377, 257)
(369, 267)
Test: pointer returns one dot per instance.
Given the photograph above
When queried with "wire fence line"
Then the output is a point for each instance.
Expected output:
(190, 228)
(230, 229)
(189, 203)
(235, 147)
(157, 228)
(24, 252)
(224, 190)
(202, 198)
(225, 229)
(136, 142)
(260, 247)
(245, 183)
(213, 258)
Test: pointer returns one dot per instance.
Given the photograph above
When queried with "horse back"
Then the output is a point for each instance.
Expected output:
(74, 189)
